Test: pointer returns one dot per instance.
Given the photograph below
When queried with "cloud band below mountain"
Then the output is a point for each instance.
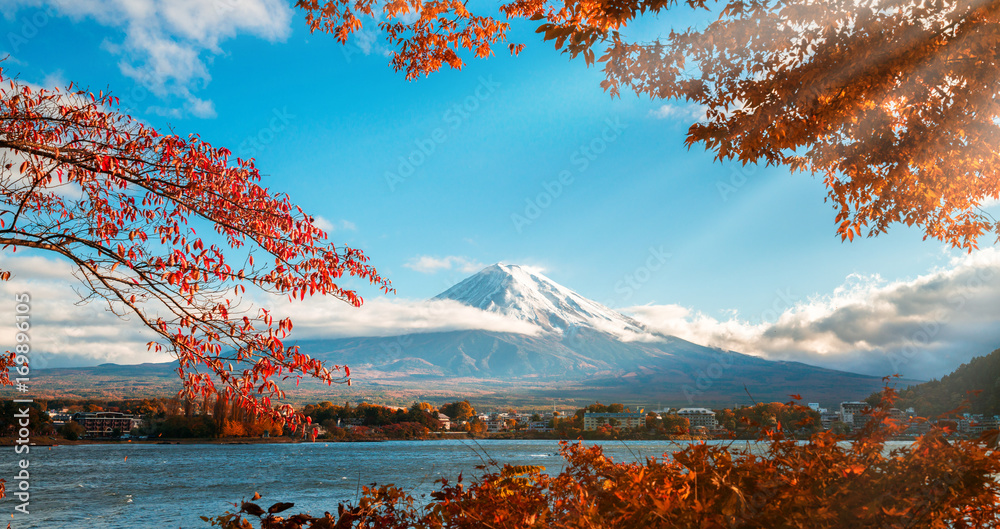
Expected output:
(920, 328)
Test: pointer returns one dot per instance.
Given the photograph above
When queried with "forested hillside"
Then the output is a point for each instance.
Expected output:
(982, 373)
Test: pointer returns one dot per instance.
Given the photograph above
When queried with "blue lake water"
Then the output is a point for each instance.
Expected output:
(166, 486)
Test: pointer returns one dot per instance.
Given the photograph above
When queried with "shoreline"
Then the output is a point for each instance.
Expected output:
(50, 441)
(42, 441)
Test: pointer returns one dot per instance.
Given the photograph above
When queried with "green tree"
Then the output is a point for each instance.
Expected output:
(9, 422)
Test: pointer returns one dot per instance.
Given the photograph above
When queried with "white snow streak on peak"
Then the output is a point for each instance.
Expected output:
(530, 296)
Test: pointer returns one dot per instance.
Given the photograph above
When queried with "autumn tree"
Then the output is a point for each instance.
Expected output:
(476, 427)
(120, 201)
(893, 103)
(459, 411)
(72, 431)
(674, 424)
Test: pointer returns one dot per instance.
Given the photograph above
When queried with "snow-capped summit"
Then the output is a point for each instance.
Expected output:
(528, 295)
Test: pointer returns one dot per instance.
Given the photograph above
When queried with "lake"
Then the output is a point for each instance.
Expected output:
(168, 486)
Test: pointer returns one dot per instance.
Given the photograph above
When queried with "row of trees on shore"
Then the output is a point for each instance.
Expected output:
(215, 418)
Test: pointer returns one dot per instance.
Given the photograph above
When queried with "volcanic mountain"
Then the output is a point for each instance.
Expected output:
(529, 296)
(581, 349)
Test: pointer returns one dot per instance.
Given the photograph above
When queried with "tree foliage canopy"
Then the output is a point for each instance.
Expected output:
(459, 410)
(893, 103)
(119, 201)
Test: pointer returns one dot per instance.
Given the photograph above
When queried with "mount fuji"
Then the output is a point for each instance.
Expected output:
(529, 296)
(581, 350)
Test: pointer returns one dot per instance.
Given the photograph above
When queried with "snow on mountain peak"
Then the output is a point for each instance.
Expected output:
(524, 293)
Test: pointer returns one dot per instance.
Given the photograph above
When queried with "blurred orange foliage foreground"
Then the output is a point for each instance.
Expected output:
(825, 482)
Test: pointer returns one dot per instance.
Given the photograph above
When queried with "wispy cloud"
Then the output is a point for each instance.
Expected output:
(326, 318)
(923, 328)
(681, 111)
(428, 265)
(64, 332)
(166, 45)
(330, 226)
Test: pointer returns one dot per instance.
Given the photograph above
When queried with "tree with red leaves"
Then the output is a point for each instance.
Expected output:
(120, 202)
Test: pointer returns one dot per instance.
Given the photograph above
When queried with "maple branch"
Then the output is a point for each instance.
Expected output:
(135, 183)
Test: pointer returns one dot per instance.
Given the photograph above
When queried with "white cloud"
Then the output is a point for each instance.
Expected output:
(533, 269)
(428, 265)
(166, 45)
(330, 226)
(62, 330)
(329, 318)
(684, 111)
(921, 328)
(55, 79)
(196, 107)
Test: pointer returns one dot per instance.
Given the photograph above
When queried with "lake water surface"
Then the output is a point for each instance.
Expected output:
(167, 486)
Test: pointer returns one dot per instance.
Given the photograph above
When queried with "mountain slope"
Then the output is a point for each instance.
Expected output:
(586, 367)
(489, 354)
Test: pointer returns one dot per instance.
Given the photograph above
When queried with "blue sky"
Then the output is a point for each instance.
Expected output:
(330, 125)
